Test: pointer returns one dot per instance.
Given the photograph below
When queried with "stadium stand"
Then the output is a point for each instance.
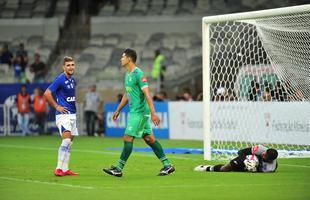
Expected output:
(36, 24)
(98, 48)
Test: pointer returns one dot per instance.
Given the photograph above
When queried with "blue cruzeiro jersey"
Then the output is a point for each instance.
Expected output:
(64, 89)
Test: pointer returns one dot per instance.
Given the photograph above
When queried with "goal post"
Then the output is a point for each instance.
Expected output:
(256, 81)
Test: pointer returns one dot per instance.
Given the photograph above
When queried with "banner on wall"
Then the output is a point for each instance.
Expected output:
(2, 120)
(260, 122)
(186, 120)
(8, 99)
(263, 122)
(117, 128)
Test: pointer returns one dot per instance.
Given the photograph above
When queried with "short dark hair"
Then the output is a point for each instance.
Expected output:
(131, 54)
(271, 154)
(157, 52)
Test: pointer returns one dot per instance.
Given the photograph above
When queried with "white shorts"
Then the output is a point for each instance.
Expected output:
(67, 122)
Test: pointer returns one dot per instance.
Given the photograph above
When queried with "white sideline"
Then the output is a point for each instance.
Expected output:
(88, 151)
(47, 183)
(136, 187)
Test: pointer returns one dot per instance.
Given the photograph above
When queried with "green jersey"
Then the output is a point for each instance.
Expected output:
(135, 81)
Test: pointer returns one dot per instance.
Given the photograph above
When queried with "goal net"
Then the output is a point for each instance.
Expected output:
(256, 81)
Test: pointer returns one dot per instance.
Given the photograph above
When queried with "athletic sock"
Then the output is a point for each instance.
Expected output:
(64, 154)
(127, 149)
(210, 168)
(217, 168)
(159, 152)
(65, 166)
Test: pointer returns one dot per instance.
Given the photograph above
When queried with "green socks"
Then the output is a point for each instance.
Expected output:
(159, 152)
(127, 149)
(125, 155)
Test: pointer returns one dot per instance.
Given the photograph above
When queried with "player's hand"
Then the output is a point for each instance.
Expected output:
(62, 110)
(155, 119)
(115, 115)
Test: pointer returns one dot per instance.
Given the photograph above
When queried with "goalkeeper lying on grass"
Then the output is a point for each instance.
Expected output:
(254, 159)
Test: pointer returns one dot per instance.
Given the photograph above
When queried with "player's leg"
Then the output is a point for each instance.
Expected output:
(87, 120)
(63, 151)
(20, 123)
(132, 131)
(159, 152)
(92, 123)
(26, 123)
(214, 168)
(235, 164)
(67, 129)
(127, 149)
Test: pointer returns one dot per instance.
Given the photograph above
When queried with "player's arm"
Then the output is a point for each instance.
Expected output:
(49, 97)
(258, 150)
(244, 152)
(149, 100)
(121, 105)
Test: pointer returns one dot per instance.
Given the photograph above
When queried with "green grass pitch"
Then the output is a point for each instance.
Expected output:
(27, 165)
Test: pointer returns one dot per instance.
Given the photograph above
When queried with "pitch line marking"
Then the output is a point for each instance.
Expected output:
(138, 187)
(47, 183)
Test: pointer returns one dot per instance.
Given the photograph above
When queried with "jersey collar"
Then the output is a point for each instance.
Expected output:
(133, 69)
(69, 79)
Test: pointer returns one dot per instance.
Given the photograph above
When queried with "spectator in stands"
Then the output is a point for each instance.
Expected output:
(39, 69)
(266, 94)
(220, 94)
(179, 97)
(187, 95)
(23, 105)
(92, 103)
(254, 92)
(39, 105)
(18, 72)
(299, 96)
(230, 95)
(159, 68)
(288, 88)
(119, 98)
(199, 96)
(158, 97)
(279, 93)
(6, 57)
(161, 96)
(21, 52)
(164, 95)
(115, 3)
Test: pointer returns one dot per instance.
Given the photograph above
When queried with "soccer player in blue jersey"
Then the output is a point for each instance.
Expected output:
(63, 89)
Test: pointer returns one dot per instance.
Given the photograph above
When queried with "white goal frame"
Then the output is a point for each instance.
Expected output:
(206, 21)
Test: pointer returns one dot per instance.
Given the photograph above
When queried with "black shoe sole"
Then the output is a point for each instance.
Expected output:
(170, 172)
(110, 173)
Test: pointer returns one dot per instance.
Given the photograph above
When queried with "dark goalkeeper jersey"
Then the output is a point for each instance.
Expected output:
(258, 150)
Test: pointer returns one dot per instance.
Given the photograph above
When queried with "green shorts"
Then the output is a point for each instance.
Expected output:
(138, 125)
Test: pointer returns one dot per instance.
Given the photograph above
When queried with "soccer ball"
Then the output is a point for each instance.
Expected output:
(251, 163)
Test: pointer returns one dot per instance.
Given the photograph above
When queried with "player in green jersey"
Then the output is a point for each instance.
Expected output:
(141, 108)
